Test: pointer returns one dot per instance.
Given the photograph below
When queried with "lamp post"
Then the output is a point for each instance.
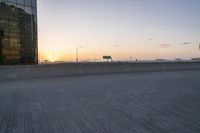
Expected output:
(199, 46)
(77, 49)
(93, 59)
(131, 58)
(115, 46)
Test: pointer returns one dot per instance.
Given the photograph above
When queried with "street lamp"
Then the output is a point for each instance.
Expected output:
(115, 46)
(77, 53)
(199, 46)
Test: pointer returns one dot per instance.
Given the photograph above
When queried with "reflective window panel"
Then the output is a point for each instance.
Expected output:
(18, 32)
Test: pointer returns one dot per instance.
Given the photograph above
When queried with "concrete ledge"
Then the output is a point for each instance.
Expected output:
(69, 69)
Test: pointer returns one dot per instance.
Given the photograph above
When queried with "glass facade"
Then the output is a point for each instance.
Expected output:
(18, 32)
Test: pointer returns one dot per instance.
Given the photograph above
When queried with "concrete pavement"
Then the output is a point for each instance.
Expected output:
(146, 102)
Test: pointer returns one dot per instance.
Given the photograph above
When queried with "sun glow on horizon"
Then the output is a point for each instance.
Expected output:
(139, 29)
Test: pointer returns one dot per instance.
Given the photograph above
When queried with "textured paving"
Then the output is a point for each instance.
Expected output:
(154, 102)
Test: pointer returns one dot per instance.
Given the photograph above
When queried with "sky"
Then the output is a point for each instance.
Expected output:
(141, 29)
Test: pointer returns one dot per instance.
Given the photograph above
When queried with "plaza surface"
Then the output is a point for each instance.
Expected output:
(143, 102)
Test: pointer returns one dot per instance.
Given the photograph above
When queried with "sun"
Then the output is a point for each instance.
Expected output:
(52, 57)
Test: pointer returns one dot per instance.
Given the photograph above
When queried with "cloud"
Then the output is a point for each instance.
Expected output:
(186, 43)
(165, 45)
(141, 36)
(151, 39)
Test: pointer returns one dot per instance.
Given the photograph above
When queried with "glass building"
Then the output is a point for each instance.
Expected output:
(18, 32)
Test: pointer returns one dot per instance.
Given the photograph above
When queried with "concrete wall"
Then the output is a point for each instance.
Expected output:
(57, 70)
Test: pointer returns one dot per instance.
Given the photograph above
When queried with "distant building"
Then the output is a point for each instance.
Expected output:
(195, 59)
(161, 60)
(178, 59)
(18, 32)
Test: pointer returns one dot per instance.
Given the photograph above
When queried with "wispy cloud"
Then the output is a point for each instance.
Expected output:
(185, 43)
(141, 36)
(165, 45)
(151, 39)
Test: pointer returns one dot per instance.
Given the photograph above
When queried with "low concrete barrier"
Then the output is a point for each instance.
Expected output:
(69, 69)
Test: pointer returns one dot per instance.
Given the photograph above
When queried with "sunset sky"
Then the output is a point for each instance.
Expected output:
(143, 29)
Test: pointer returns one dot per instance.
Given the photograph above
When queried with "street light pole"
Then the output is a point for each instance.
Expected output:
(131, 58)
(77, 59)
(199, 46)
(76, 54)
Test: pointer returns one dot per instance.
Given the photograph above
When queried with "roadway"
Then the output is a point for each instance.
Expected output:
(143, 102)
